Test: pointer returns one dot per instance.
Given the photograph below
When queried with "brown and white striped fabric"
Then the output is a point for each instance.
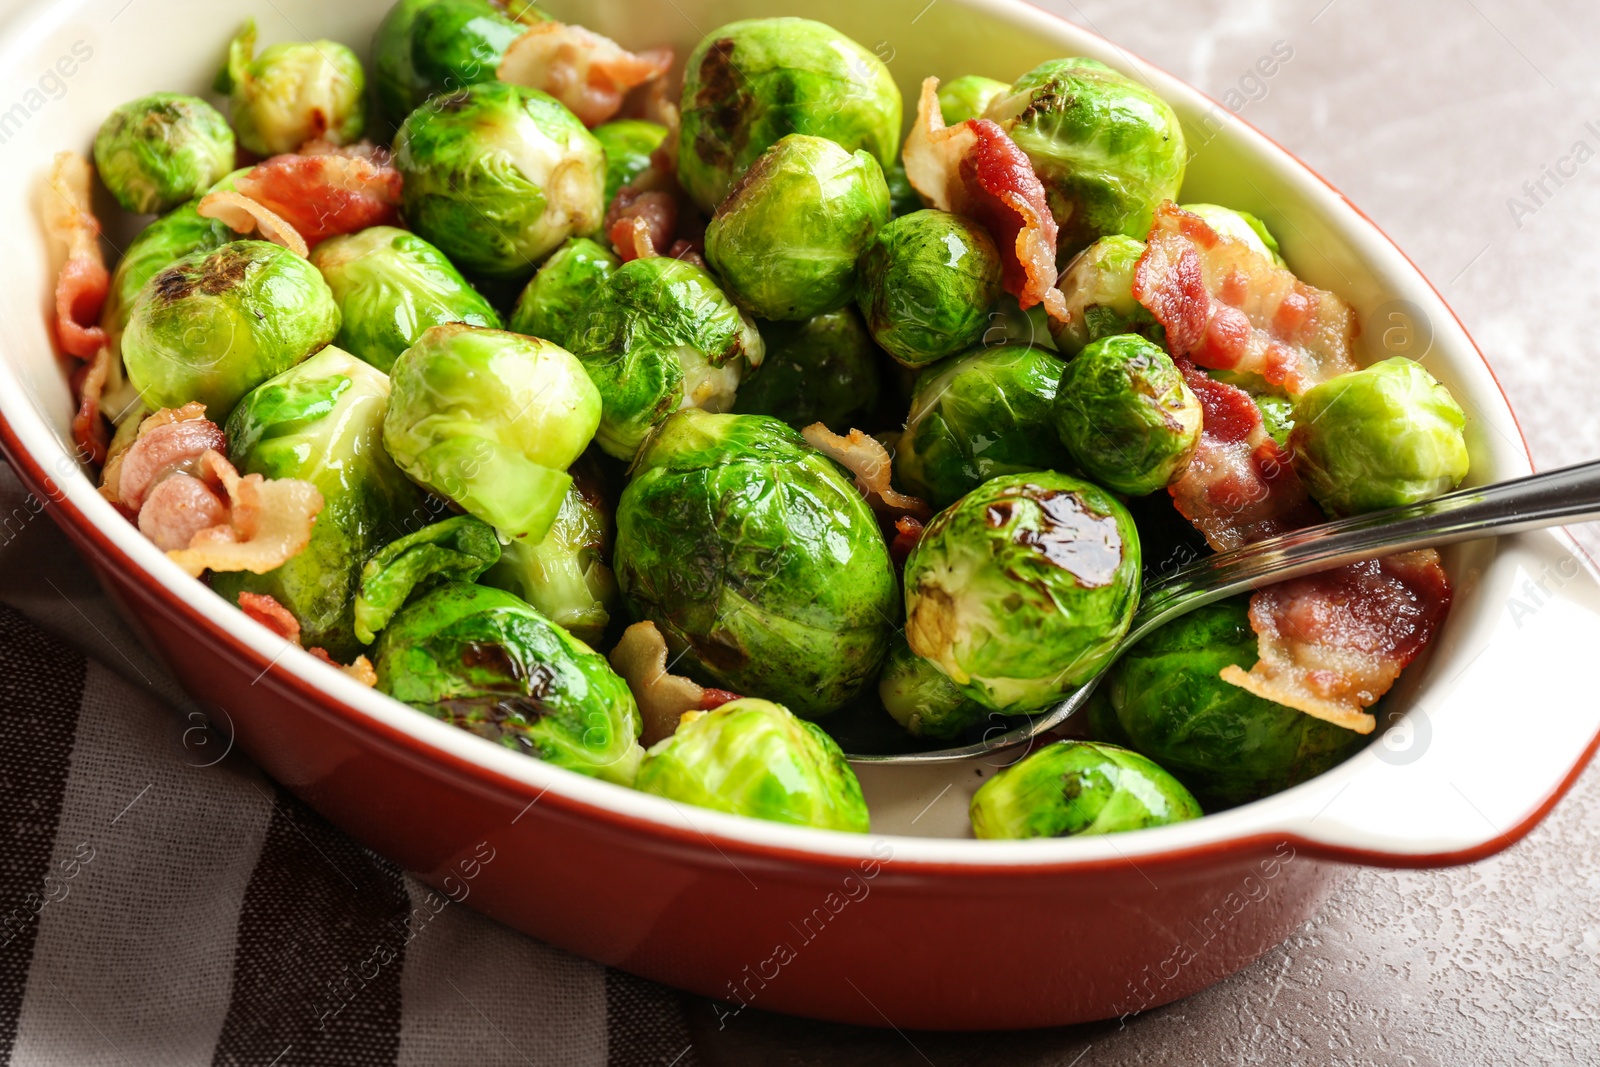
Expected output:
(163, 904)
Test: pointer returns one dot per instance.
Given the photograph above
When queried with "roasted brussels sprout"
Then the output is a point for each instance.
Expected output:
(322, 422)
(216, 324)
(928, 280)
(1108, 149)
(1020, 591)
(753, 554)
(392, 285)
(968, 97)
(293, 92)
(1378, 438)
(920, 698)
(1079, 788)
(1098, 287)
(1240, 225)
(977, 416)
(483, 660)
(628, 144)
(756, 758)
(427, 47)
(658, 336)
(497, 175)
(457, 549)
(1225, 743)
(824, 369)
(1277, 416)
(903, 199)
(748, 84)
(1127, 417)
(491, 420)
(161, 150)
(550, 303)
(786, 240)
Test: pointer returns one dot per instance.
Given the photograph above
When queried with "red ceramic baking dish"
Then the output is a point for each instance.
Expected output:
(915, 924)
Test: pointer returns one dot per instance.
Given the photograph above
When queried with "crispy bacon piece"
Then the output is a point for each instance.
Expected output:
(178, 508)
(82, 285)
(274, 616)
(170, 442)
(1226, 306)
(88, 425)
(360, 669)
(325, 190)
(243, 215)
(974, 169)
(907, 532)
(585, 71)
(641, 658)
(715, 698)
(867, 459)
(641, 221)
(269, 521)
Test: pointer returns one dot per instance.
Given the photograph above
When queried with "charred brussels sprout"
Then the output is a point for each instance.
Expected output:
(750, 83)
(216, 324)
(1020, 591)
(491, 420)
(920, 698)
(1228, 745)
(658, 336)
(160, 150)
(457, 549)
(1240, 225)
(550, 303)
(1108, 150)
(1378, 438)
(928, 280)
(978, 416)
(968, 97)
(786, 240)
(628, 144)
(485, 661)
(1126, 415)
(497, 175)
(752, 553)
(757, 759)
(1079, 788)
(391, 286)
(427, 47)
(293, 92)
(1098, 287)
(824, 369)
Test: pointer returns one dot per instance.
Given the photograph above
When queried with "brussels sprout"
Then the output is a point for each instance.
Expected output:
(1079, 788)
(216, 324)
(756, 758)
(928, 280)
(628, 144)
(550, 303)
(1126, 415)
(322, 422)
(497, 175)
(160, 150)
(1223, 742)
(757, 559)
(920, 698)
(293, 92)
(1108, 150)
(427, 47)
(485, 661)
(1277, 416)
(457, 549)
(903, 199)
(748, 84)
(1020, 592)
(1009, 324)
(824, 369)
(968, 97)
(1098, 286)
(1378, 438)
(658, 336)
(786, 240)
(1240, 225)
(491, 420)
(391, 286)
(977, 416)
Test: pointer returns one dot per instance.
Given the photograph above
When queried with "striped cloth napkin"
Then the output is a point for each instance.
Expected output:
(163, 903)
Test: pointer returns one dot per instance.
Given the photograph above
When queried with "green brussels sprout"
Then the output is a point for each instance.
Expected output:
(427, 47)
(1126, 416)
(750, 83)
(1098, 287)
(757, 560)
(1020, 592)
(216, 324)
(1228, 745)
(392, 285)
(457, 549)
(1077, 789)
(920, 698)
(903, 198)
(1108, 149)
(491, 420)
(786, 240)
(1009, 324)
(160, 150)
(498, 175)
(550, 303)
(928, 280)
(824, 369)
(978, 416)
(1378, 438)
(322, 421)
(1241, 225)
(293, 92)
(657, 336)
(1277, 416)
(628, 144)
(968, 97)
(757, 759)
(483, 660)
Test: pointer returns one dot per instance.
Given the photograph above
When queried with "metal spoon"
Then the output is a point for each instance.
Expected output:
(1536, 501)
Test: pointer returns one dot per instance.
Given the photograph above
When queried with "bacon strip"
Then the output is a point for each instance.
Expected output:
(867, 459)
(88, 425)
(243, 215)
(325, 190)
(269, 521)
(641, 221)
(269, 613)
(1226, 306)
(83, 282)
(974, 169)
(360, 669)
(641, 658)
(585, 71)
